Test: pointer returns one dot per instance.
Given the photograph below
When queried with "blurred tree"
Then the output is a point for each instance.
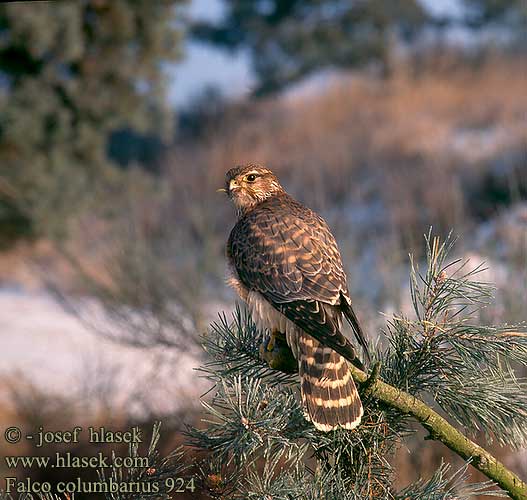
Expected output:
(289, 39)
(71, 74)
(512, 13)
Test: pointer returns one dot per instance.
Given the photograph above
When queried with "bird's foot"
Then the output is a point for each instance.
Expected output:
(271, 341)
(277, 354)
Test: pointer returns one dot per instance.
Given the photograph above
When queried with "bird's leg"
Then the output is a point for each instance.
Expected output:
(272, 340)
(277, 354)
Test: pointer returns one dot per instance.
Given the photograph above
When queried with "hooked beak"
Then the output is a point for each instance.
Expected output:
(233, 186)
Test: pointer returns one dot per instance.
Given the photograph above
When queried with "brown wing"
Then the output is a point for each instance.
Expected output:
(287, 253)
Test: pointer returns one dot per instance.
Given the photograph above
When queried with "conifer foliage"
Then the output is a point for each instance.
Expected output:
(71, 74)
(260, 446)
(255, 443)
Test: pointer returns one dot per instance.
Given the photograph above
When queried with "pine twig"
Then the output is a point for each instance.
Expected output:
(441, 353)
(441, 430)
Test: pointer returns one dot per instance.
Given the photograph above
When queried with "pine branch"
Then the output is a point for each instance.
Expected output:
(160, 472)
(440, 430)
(234, 349)
(441, 487)
(244, 415)
(463, 369)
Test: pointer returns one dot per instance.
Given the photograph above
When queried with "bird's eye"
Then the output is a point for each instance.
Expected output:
(251, 177)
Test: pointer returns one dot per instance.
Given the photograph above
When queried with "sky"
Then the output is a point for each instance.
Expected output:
(205, 66)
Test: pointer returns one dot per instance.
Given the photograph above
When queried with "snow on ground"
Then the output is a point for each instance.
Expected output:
(53, 350)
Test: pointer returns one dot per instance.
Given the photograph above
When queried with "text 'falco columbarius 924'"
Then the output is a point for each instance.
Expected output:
(285, 264)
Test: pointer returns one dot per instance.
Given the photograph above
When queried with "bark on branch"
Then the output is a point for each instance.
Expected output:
(440, 430)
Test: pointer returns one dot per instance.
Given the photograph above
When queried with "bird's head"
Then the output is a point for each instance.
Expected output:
(248, 185)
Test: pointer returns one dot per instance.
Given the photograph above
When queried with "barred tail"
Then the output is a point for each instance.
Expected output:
(328, 392)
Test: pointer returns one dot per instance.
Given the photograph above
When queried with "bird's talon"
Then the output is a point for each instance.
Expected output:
(272, 342)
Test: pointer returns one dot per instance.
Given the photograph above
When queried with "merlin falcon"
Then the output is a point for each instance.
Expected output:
(285, 264)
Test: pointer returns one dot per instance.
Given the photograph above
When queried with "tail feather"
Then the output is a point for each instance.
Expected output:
(328, 391)
(353, 321)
